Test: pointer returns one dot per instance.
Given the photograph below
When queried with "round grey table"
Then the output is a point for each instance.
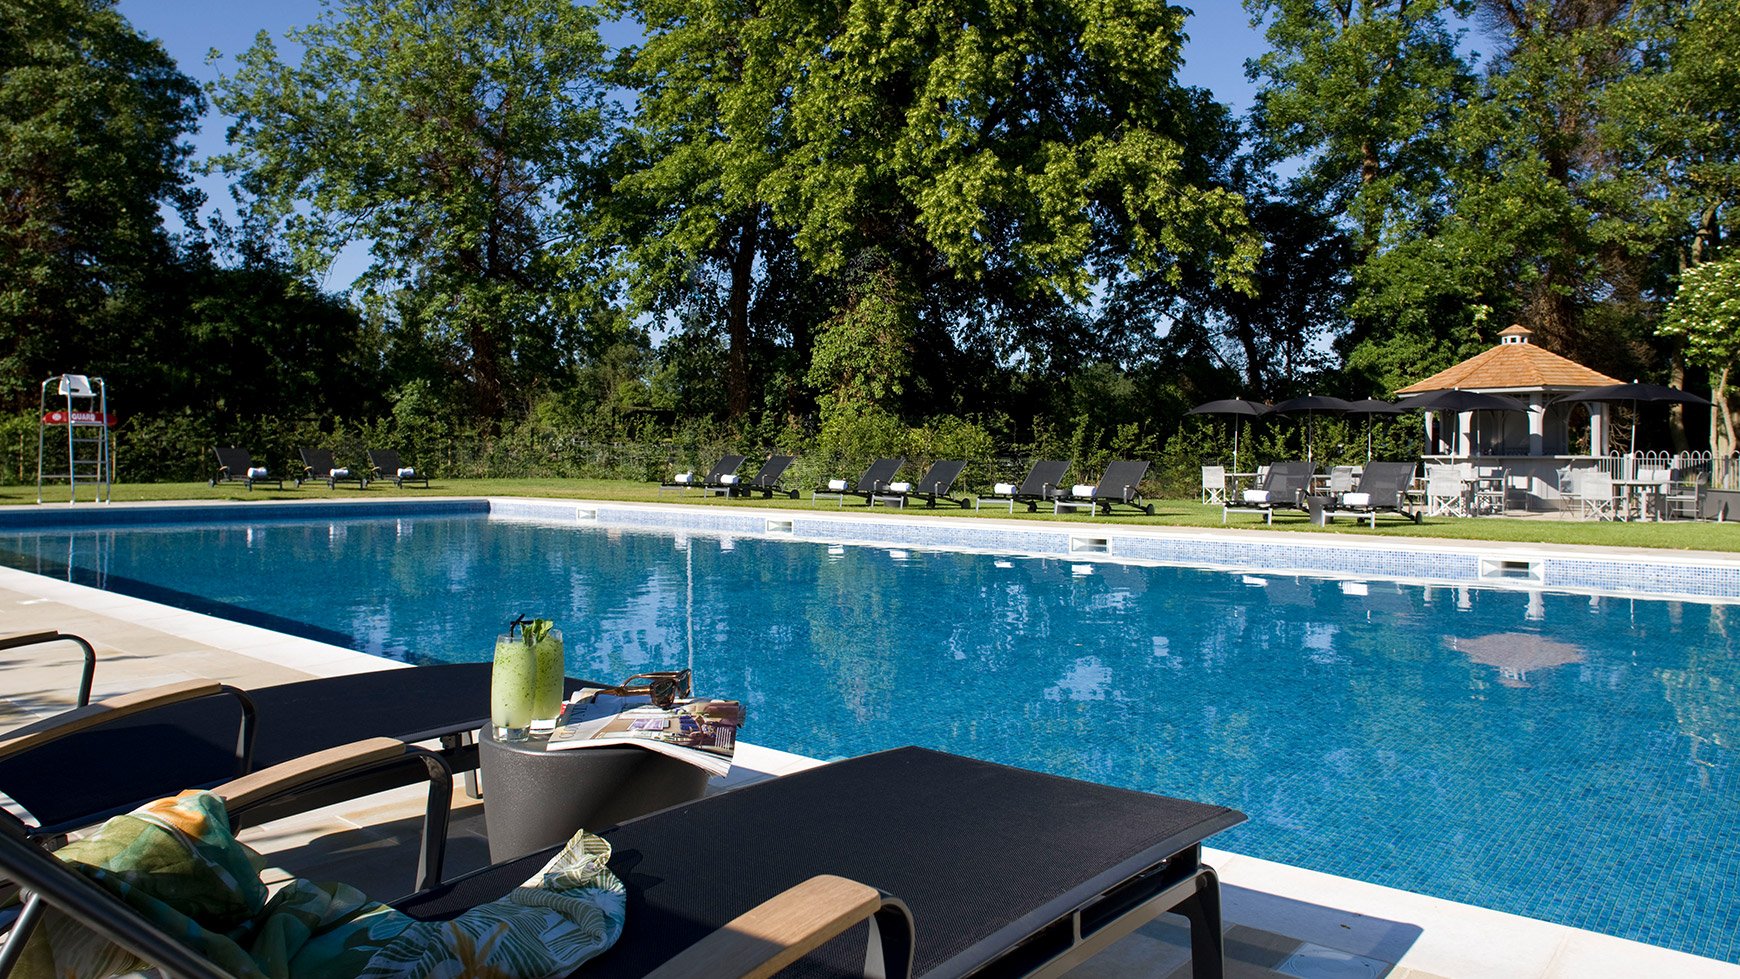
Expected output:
(534, 798)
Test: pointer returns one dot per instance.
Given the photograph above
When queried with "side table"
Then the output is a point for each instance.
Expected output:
(533, 798)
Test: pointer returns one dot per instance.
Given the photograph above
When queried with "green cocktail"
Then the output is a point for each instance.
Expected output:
(512, 688)
(547, 689)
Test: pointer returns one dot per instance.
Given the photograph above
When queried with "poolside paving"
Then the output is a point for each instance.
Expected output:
(1280, 920)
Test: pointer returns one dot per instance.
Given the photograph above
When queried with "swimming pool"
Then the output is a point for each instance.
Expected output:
(1562, 756)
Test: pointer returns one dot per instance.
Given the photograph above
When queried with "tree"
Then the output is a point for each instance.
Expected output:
(1705, 313)
(92, 121)
(1362, 90)
(996, 164)
(459, 140)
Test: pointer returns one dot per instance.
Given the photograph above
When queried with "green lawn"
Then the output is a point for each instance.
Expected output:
(1681, 535)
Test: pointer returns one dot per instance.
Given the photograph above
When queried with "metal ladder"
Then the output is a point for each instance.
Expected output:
(89, 449)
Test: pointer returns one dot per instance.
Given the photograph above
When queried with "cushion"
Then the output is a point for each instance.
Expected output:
(1256, 496)
(257, 472)
(680, 477)
(730, 479)
(406, 472)
(1356, 499)
(837, 485)
(340, 472)
(1003, 489)
(900, 487)
(1081, 489)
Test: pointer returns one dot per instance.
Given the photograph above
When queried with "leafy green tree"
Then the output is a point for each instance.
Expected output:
(999, 162)
(92, 121)
(458, 139)
(1363, 90)
(1705, 313)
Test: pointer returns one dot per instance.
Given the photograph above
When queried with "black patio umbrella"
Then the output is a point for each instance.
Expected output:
(1635, 394)
(1458, 401)
(1239, 409)
(1369, 407)
(1311, 404)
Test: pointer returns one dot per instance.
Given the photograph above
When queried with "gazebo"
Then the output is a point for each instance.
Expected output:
(1533, 445)
(1533, 375)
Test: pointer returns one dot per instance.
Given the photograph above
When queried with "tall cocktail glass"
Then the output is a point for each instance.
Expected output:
(547, 693)
(512, 689)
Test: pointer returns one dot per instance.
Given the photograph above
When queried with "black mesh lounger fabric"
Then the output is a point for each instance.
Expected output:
(982, 854)
(119, 765)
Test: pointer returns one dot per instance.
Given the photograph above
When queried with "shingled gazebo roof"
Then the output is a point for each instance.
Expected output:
(1515, 365)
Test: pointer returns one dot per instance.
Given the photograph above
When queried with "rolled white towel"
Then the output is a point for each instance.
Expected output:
(837, 485)
(257, 472)
(406, 472)
(900, 487)
(1081, 489)
(1003, 489)
(1256, 496)
(1356, 499)
(730, 479)
(340, 473)
(680, 477)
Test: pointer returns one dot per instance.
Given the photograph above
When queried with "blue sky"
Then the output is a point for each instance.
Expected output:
(1221, 39)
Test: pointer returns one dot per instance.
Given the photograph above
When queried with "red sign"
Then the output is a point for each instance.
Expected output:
(77, 418)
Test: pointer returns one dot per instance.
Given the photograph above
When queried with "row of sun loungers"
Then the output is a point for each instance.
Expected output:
(1119, 486)
(774, 864)
(1382, 489)
(723, 480)
(236, 465)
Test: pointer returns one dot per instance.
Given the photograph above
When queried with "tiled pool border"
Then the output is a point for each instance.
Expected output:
(1702, 576)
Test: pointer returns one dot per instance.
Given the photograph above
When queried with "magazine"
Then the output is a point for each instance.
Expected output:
(699, 731)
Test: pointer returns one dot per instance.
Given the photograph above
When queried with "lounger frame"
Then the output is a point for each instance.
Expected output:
(1044, 483)
(233, 466)
(714, 480)
(319, 464)
(933, 486)
(385, 464)
(875, 480)
(1121, 478)
(1292, 479)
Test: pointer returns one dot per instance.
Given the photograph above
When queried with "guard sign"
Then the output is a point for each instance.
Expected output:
(78, 418)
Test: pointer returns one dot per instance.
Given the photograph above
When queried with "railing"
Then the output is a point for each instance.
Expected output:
(1697, 467)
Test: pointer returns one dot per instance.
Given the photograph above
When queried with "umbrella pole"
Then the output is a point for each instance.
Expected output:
(1238, 423)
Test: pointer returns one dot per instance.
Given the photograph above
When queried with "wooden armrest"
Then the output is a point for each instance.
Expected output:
(82, 718)
(255, 786)
(781, 930)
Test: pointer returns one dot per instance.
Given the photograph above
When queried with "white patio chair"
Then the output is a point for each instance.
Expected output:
(1446, 492)
(1595, 496)
(1214, 484)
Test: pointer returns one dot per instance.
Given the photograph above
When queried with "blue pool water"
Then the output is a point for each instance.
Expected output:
(1559, 756)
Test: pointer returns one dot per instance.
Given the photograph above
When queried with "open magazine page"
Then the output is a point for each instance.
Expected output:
(700, 732)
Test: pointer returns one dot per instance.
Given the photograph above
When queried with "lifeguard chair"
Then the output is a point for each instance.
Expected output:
(81, 406)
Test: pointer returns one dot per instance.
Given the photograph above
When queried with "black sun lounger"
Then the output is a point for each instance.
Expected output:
(1383, 488)
(766, 481)
(875, 480)
(319, 464)
(1285, 487)
(1004, 871)
(110, 768)
(723, 473)
(931, 487)
(237, 466)
(1001, 868)
(1043, 484)
(386, 464)
(1120, 486)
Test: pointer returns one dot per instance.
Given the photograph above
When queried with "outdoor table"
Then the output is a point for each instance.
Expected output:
(533, 798)
(1645, 493)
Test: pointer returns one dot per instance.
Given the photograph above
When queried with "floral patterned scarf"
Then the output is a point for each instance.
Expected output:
(176, 862)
